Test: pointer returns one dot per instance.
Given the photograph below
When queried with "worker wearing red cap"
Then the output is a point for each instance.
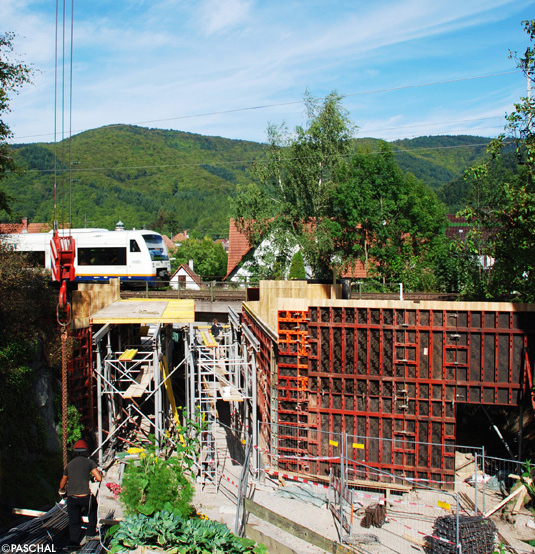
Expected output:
(76, 476)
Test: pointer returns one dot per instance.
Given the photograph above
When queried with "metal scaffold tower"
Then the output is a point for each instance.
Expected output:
(134, 388)
(225, 371)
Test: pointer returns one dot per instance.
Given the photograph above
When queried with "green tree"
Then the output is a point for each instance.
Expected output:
(387, 219)
(293, 189)
(297, 267)
(209, 257)
(28, 340)
(502, 209)
(13, 74)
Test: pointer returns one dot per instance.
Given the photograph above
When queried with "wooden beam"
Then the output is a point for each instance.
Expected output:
(295, 529)
(29, 513)
(414, 540)
(504, 502)
(273, 546)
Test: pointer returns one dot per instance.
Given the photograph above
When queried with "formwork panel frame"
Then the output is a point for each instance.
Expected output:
(433, 399)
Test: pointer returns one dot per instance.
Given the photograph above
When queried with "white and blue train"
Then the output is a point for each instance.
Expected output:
(135, 257)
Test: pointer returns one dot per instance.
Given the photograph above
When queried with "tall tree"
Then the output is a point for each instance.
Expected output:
(387, 219)
(293, 190)
(503, 206)
(13, 74)
(209, 257)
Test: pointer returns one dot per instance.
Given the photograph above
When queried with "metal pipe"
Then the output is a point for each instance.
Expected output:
(99, 406)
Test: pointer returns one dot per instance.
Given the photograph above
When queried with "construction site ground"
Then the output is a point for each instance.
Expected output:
(410, 516)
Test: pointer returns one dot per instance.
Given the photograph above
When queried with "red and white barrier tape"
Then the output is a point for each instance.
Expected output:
(294, 478)
(442, 539)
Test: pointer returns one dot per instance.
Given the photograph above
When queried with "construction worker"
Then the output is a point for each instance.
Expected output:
(76, 477)
(216, 331)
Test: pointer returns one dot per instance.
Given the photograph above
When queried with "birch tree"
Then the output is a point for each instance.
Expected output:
(293, 188)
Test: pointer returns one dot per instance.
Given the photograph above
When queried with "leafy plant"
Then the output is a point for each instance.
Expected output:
(152, 483)
(185, 438)
(75, 426)
(173, 533)
(157, 481)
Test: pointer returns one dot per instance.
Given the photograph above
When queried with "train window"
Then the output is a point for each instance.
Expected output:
(156, 247)
(134, 246)
(102, 256)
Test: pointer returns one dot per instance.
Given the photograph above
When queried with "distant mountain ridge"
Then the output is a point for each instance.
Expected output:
(174, 181)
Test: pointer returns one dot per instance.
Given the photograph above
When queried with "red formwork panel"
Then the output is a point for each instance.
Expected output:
(263, 370)
(393, 376)
(388, 378)
(79, 381)
(292, 391)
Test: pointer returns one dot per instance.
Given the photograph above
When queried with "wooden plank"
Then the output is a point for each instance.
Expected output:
(358, 483)
(414, 540)
(135, 390)
(289, 526)
(273, 546)
(504, 502)
(27, 512)
(230, 394)
(208, 339)
(128, 355)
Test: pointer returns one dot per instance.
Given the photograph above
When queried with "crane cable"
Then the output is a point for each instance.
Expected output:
(63, 309)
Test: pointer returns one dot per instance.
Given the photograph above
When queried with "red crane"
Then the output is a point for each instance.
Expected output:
(63, 253)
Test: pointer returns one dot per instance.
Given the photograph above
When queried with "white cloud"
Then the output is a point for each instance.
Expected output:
(223, 15)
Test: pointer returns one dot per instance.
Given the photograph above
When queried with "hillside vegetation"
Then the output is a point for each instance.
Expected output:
(174, 181)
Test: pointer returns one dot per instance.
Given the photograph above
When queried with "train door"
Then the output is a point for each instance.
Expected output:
(137, 261)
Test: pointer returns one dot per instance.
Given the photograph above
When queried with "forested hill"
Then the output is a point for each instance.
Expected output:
(174, 181)
(439, 160)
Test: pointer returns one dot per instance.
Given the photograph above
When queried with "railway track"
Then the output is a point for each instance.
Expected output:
(241, 295)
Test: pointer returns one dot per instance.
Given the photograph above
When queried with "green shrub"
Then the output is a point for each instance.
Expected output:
(75, 427)
(297, 267)
(152, 483)
(169, 531)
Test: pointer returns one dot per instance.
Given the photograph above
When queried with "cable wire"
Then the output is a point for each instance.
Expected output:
(251, 161)
(297, 102)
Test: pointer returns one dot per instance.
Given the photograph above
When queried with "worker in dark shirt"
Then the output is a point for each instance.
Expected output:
(216, 330)
(76, 476)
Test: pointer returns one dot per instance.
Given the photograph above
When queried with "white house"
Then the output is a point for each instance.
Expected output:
(185, 277)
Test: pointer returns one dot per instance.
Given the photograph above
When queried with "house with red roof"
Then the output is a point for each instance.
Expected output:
(24, 227)
(239, 247)
(180, 237)
(185, 278)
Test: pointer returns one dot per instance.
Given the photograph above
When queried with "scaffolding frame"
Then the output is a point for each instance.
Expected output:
(225, 371)
(128, 377)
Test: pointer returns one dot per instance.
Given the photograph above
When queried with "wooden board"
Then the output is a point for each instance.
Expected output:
(128, 355)
(145, 311)
(135, 390)
(296, 529)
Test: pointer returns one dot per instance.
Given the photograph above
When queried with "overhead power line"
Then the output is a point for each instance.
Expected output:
(296, 102)
(246, 161)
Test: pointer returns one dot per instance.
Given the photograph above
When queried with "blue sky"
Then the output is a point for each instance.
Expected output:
(408, 67)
